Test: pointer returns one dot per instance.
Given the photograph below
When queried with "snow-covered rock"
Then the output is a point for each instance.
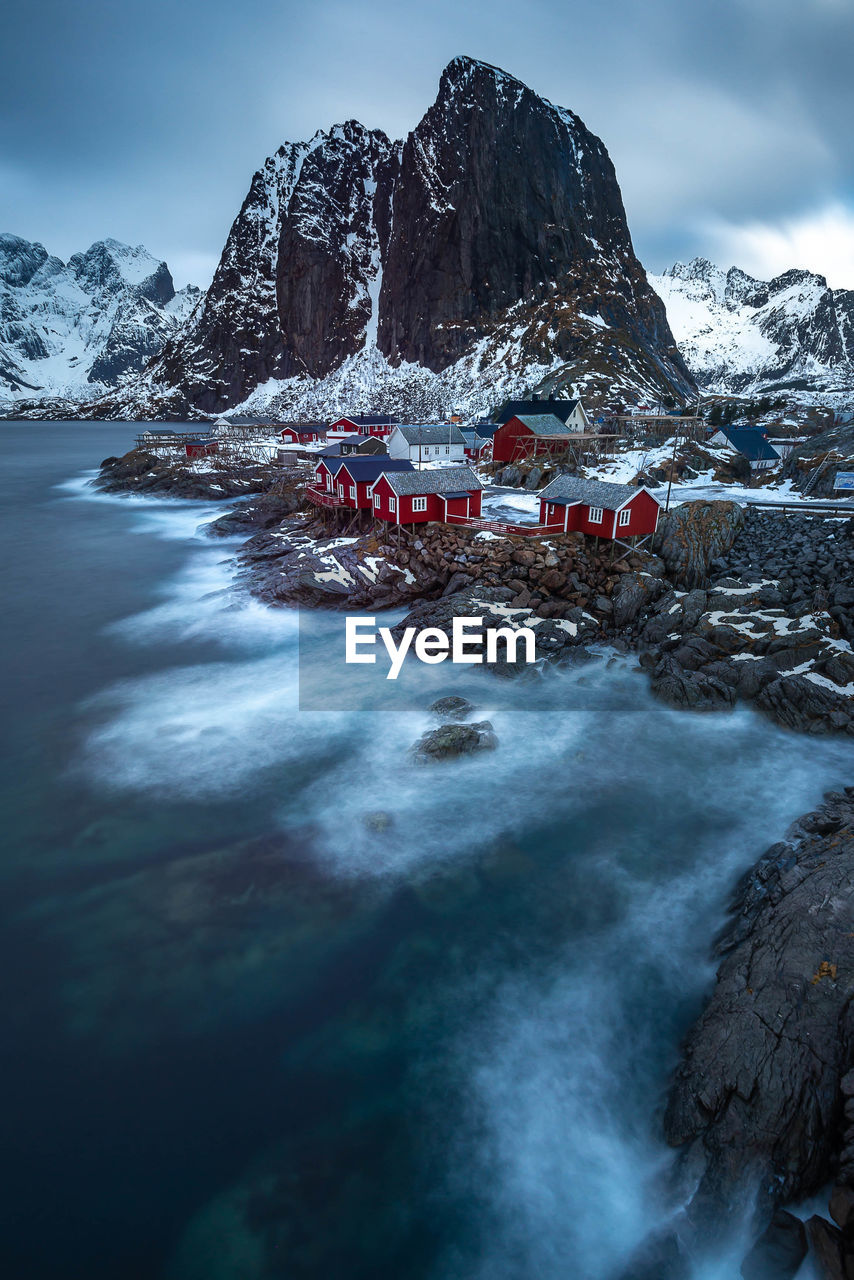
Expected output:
(76, 329)
(792, 334)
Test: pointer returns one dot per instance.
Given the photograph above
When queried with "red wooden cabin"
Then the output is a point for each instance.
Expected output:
(348, 480)
(530, 435)
(302, 433)
(572, 504)
(414, 497)
(370, 424)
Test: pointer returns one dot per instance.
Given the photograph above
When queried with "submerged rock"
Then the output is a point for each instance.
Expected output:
(451, 740)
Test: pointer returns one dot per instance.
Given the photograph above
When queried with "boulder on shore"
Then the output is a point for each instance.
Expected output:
(693, 535)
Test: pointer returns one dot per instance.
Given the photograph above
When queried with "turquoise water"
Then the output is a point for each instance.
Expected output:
(251, 1029)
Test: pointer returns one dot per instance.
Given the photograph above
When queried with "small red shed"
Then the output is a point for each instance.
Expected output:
(414, 497)
(200, 448)
(572, 504)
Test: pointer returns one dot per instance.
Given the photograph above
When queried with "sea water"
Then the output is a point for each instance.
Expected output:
(278, 1002)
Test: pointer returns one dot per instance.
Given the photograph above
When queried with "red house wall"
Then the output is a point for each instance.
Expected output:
(373, 428)
(435, 509)
(505, 442)
(384, 489)
(643, 509)
(321, 471)
(435, 505)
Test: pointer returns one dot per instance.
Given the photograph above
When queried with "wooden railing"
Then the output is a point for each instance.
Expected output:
(501, 526)
(321, 498)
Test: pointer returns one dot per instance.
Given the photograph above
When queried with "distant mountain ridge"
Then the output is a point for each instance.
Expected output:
(76, 329)
(484, 256)
(793, 334)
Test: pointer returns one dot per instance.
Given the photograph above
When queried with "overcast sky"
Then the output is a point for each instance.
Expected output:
(729, 121)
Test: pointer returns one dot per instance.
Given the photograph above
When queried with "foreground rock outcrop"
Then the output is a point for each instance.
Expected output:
(765, 1093)
(142, 472)
(302, 562)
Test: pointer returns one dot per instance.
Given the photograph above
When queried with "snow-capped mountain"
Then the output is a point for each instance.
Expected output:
(485, 255)
(792, 334)
(76, 329)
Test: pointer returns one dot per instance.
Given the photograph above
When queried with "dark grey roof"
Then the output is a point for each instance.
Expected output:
(442, 434)
(544, 424)
(446, 480)
(369, 467)
(367, 419)
(515, 408)
(750, 442)
(486, 429)
(333, 461)
(564, 490)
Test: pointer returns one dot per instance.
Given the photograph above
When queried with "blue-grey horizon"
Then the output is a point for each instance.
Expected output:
(728, 122)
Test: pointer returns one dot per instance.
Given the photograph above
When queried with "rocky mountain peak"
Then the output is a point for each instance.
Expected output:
(21, 259)
(486, 253)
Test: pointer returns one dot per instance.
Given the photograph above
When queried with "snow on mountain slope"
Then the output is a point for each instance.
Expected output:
(487, 252)
(792, 334)
(76, 329)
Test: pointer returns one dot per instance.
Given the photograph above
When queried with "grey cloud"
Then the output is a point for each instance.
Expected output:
(145, 120)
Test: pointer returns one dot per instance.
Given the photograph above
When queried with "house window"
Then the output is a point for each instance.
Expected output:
(625, 517)
(329, 483)
(447, 448)
(595, 516)
(419, 504)
(341, 492)
(377, 501)
(392, 505)
(353, 492)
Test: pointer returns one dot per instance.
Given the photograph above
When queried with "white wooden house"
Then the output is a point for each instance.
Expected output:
(444, 444)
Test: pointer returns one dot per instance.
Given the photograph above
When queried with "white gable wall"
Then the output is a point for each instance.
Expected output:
(399, 447)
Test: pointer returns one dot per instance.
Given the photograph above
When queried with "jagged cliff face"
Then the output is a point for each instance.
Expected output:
(791, 334)
(77, 328)
(485, 255)
(502, 200)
